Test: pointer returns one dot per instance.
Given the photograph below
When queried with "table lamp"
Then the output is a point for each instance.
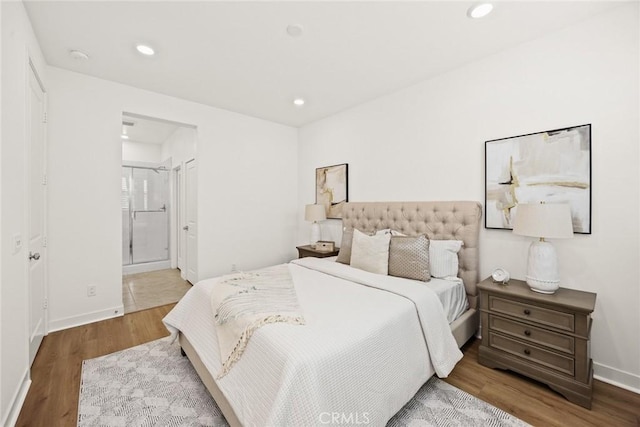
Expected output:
(543, 220)
(315, 213)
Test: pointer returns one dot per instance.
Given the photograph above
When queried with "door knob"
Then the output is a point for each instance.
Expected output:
(186, 228)
(35, 256)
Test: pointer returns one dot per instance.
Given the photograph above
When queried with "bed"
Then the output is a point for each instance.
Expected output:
(365, 350)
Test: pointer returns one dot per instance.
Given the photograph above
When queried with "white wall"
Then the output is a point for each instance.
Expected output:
(2, 404)
(180, 146)
(427, 143)
(246, 210)
(18, 44)
(133, 151)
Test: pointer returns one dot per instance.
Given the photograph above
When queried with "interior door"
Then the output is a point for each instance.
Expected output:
(179, 204)
(35, 212)
(191, 222)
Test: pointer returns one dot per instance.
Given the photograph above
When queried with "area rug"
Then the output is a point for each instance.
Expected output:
(153, 385)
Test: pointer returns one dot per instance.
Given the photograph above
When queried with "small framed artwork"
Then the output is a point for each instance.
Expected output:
(551, 167)
(332, 188)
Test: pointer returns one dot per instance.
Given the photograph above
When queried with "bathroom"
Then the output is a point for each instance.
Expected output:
(158, 209)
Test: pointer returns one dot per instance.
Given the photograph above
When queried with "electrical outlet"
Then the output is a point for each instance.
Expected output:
(92, 290)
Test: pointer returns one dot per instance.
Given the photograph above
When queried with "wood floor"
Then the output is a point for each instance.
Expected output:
(536, 403)
(53, 397)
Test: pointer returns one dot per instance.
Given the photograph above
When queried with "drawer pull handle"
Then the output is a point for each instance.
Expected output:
(527, 312)
(527, 351)
(527, 332)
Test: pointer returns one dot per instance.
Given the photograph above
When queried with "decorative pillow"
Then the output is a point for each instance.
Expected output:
(443, 257)
(370, 253)
(409, 257)
(344, 256)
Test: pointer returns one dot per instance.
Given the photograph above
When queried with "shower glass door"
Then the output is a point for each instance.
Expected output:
(148, 215)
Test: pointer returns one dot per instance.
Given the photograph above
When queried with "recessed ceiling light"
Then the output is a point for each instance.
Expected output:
(78, 54)
(145, 50)
(299, 102)
(123, 136)
(479, 10)
(295, 30)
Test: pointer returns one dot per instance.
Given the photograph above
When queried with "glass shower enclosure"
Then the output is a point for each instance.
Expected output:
(145, 218)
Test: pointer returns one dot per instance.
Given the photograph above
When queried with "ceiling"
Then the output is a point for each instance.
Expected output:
(145, 130)
(237, 55)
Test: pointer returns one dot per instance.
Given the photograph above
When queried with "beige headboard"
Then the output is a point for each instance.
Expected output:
(438, 220)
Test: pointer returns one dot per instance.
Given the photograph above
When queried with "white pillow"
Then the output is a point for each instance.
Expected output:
(370, 253)
(443, 257)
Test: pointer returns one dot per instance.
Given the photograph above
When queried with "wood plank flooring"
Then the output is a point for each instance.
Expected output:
(53, 397)
(536, 403)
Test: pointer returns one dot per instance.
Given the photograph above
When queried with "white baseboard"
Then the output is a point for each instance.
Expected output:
(616, 377)
(18, 401)
(83, 319)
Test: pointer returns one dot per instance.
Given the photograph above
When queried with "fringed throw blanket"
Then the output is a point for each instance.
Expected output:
(244, 302)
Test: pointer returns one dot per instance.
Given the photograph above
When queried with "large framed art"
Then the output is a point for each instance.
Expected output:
(332, 188)
(552, 167)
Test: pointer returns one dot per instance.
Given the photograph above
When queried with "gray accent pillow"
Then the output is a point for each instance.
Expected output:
(344, 256)
(409, 257)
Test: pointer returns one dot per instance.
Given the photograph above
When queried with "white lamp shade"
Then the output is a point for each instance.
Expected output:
(315, 213)
(548, 220)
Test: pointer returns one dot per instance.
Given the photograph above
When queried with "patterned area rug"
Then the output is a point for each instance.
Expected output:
(153, 385)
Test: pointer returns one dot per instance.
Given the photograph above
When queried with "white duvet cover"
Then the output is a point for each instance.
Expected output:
(362, 355)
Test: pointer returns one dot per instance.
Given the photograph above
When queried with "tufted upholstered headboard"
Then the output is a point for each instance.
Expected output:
(438, 220)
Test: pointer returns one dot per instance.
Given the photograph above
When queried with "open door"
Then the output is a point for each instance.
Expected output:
(191, 226)
(36, 214)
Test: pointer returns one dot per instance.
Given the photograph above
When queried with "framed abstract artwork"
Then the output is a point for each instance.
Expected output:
(332, 189)
(551, 167)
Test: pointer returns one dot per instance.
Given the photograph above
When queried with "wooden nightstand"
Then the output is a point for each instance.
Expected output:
(545, 337)
(307, 250)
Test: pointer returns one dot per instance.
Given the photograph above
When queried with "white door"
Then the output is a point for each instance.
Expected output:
(35, 212)
(178, 202)
(191, 222)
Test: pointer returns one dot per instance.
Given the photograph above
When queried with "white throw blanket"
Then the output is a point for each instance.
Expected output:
(244, 302)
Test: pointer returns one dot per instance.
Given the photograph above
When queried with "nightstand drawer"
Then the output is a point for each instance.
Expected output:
(523, 332)
(543, 316)
(535, 354)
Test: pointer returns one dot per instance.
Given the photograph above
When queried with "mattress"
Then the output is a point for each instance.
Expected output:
(363, 350)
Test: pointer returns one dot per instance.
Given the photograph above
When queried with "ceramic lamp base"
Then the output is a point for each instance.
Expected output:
(315, 234)
(542, 268)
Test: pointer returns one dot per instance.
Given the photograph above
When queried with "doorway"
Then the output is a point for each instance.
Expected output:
(36, 181)
(156, 155)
